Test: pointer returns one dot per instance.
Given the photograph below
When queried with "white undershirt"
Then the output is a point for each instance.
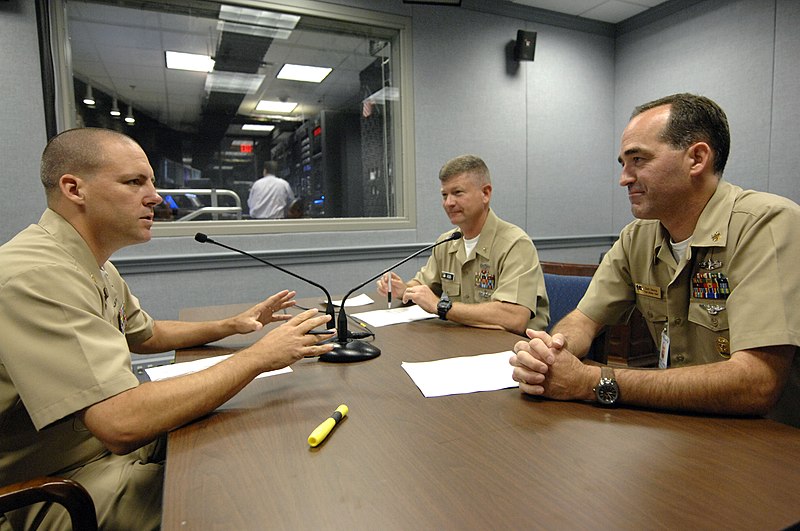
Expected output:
(679, 249)
(470, 244)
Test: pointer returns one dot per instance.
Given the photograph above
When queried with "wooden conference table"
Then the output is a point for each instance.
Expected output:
(491, 460)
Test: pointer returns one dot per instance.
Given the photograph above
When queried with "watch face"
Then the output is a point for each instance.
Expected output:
(607, 392)
(443, 307)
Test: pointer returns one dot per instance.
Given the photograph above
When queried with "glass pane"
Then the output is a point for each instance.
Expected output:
(208, 126)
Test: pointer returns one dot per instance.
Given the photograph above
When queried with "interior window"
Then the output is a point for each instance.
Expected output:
(219, 94)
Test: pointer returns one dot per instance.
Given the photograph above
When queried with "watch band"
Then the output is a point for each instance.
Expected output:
(444, 306)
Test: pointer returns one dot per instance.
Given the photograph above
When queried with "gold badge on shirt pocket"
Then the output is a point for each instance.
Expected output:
(723, 347)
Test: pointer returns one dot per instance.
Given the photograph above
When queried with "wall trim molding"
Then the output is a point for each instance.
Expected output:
(228, 260)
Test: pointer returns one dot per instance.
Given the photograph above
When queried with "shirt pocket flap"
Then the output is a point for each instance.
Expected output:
(453, 289)
(709, 314)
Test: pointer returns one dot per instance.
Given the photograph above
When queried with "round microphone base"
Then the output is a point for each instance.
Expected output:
(350, 351)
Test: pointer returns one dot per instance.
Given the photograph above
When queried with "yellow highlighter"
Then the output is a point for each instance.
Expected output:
(322, 431)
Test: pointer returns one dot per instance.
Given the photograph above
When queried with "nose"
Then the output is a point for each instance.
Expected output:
(626, 177)
(448, 200)
(152, 198)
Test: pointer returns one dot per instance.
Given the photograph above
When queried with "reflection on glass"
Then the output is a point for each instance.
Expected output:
(210, 131)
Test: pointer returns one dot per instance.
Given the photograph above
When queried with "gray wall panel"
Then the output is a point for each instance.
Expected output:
(467, 102)
(784, 169)
(570, 90)
(22, 129)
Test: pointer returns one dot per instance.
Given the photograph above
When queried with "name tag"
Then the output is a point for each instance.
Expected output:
(648, 291)
(448, 276)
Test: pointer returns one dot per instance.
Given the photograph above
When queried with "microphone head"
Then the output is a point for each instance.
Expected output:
(455, 236)
(202, 238)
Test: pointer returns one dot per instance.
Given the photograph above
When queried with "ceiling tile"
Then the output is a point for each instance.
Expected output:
(613, 11)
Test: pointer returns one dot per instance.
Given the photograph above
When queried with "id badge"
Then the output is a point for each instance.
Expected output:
(663, 353)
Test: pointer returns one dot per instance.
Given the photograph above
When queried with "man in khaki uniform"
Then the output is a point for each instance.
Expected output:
(69, 403)
(491, 278)
(711, 267)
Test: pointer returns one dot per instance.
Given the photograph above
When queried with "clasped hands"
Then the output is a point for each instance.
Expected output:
(543, 366)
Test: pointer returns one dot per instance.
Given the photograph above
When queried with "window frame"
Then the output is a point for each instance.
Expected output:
(404, 142)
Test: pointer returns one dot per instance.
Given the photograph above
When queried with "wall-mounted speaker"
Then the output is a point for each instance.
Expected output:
(525, 48)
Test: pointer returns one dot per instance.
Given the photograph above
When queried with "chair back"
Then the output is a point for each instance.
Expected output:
(566, 283)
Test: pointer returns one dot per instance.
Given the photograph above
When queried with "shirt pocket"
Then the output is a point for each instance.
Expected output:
(453, 289)
(653, 310)
(708, 313)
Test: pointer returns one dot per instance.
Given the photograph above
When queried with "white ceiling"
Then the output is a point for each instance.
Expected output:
(612, 11)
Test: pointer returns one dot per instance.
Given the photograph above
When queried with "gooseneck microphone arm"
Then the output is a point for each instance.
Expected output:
(358, 350)
(202, 238)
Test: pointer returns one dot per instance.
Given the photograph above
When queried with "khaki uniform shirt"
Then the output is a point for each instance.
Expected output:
(737, 290)
(504, 267)
(65, 325)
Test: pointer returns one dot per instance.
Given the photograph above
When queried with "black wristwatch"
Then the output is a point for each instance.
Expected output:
(607, 390)
(444, 306)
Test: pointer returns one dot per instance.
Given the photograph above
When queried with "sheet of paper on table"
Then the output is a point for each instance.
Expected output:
(467, 374)
(361, 300)
(404, 314)
(188, 367)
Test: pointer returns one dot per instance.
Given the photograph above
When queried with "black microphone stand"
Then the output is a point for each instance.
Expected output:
(202, 238)
(349, 350)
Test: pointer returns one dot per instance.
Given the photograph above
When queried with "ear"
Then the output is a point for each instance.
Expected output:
(699, 155)
(71, 187)
(486, 190)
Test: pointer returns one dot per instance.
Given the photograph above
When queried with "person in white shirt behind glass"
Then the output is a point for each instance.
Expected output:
(270, 195)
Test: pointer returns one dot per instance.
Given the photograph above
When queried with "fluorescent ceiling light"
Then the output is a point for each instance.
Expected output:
(276, 106)
(311, 74)
(256, 31)
(258, 127)
(88, 99)
(233, 82)
(189, 61)
(258, 17)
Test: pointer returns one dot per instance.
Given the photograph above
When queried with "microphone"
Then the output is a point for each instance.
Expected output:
(202, 238)
(349, 349)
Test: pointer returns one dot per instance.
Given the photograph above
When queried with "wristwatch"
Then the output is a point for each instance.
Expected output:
(444, 306)
(607, 390)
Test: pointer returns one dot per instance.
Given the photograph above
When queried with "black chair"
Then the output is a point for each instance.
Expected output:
(66, 492)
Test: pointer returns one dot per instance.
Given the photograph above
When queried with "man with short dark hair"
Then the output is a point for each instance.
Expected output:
(491, 277)
(70, 404)
(711, 267)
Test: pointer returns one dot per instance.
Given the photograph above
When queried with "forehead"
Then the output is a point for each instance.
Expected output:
(645, 128)
(122, 153)
(462, 181)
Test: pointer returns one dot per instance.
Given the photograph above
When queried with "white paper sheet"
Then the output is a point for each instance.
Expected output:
(179, 369)
(361, 300)
(467, 374)
(404, 314)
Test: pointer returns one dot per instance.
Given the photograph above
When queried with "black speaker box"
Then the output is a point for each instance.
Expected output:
(525, 48)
